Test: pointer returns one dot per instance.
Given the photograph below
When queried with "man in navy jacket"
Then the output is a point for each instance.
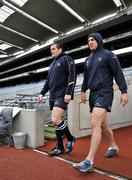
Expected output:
(100, 68)
(60, 84)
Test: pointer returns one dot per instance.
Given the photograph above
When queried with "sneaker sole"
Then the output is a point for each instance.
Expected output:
(51, 155)
(110, 156)
(85, 171)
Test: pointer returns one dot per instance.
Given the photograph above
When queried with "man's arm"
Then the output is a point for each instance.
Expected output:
(45, 88)
(43, 91)
(83, 97)
(119, 78)
(124, 99)
(117, 72)
(71, 79)
(85, 80)
(84, 86)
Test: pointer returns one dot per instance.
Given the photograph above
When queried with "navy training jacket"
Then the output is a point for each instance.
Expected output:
(100, 67)
(61, 77)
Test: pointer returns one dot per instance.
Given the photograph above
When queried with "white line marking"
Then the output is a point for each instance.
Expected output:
(106, 173)
(56, 157)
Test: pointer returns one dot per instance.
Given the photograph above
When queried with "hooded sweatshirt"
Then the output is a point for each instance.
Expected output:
(100, 67)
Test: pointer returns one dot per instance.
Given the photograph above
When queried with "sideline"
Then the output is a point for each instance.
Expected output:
(97, 170)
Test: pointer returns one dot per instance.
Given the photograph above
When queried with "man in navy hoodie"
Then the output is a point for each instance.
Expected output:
(60, 84)
(100, 68)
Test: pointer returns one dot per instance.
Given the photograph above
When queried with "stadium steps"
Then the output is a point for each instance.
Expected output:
(49, 132)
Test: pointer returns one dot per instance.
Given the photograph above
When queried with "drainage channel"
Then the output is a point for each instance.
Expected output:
(97, 170)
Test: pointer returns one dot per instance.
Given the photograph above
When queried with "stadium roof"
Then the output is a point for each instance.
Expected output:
(27, 25)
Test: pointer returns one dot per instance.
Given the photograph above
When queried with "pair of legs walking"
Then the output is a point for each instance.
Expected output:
(100, 126)
(61, 129)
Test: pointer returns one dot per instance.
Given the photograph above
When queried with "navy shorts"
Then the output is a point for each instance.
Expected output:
(101, 98)
(57, 102)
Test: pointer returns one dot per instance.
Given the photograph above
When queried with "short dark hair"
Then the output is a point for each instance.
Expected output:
(58, 45)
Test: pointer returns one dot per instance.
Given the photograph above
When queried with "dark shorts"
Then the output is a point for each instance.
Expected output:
(102, 98)
(57, 102)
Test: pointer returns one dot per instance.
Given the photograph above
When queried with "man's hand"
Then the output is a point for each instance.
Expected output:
(39, 98)
(83, 97)
(124, 99)
(67, 98)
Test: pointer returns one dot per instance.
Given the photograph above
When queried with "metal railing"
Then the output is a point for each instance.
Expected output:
(26, 101)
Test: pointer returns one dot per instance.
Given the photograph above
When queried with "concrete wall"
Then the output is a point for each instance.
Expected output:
(30, 121)
(79, 116)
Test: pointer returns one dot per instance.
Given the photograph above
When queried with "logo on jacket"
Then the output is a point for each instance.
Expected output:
(58, 64)
(100, 59)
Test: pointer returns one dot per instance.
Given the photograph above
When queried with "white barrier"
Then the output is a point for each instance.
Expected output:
(79, 116)
(30, 121)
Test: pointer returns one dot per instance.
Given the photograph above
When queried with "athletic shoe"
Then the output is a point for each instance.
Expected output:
(111, 152)
(84, 166)
(56, 152)
(69, 145)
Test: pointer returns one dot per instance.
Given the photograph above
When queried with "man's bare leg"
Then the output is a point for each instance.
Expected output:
(107, 131)
(97, 118)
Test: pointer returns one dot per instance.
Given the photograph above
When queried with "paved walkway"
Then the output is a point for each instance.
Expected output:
(34, 164)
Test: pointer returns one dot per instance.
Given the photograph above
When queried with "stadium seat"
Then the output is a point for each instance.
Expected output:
(6, 125)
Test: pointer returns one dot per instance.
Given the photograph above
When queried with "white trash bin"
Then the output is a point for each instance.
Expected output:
(19, 139)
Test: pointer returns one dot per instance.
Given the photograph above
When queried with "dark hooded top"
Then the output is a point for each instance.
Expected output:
(61, 77)
(100, 67)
